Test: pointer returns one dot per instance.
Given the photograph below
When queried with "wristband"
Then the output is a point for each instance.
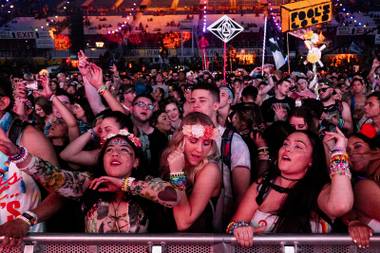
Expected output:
(32, 217)
(236, 224)
(178, 180)
(127, 182)
(102, 89)
(20, 156)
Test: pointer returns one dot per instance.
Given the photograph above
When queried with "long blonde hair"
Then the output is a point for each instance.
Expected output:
(192, 118)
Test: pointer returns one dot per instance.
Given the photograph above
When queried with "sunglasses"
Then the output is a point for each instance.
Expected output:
(145, 106)
(323, 89)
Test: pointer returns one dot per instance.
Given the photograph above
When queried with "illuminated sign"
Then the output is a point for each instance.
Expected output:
(305, 13)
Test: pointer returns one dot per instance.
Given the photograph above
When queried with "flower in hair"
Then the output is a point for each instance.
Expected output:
(199, 131)
(131, 137)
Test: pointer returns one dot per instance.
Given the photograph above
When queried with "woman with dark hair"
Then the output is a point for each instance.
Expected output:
(111, 196)
(161, 121)
(83, 113)
(43, 113)
(297, 196)
(364, 219)
(301, 119)
(174, 113)
(107, 122)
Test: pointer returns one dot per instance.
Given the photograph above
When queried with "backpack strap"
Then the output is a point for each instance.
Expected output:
(226, 146)
(16, 129)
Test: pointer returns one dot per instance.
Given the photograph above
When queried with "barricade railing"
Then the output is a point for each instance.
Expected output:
(189, 243)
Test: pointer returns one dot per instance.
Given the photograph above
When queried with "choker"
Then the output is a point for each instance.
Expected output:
(278, 188)
(289, 179)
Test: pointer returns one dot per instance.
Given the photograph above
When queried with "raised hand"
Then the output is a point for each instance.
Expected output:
(83, 63)
(46, 90)
(338, 137)
(95, 76)
(176, 159)
(280, 112)
(106, 184)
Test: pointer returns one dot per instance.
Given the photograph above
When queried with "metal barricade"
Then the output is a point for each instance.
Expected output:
(189, 243)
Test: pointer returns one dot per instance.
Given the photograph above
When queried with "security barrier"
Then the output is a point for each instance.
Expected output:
(189, 243)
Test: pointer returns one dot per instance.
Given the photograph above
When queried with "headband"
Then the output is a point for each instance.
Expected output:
(200, 131)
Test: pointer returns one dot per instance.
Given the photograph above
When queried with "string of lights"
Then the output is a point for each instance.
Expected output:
(121, 27)
(273, 16)
(204, 27)
(348, 14)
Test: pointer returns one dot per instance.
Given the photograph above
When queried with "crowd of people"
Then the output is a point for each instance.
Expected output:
(105, 151)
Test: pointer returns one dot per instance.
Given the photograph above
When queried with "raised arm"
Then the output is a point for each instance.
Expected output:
(336, 198)
(95, 78)
(74, 151)
(92, 95)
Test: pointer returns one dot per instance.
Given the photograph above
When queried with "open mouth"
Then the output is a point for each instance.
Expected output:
(285, 158)
(115, 162)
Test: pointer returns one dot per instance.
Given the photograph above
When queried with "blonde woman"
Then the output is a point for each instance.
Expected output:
(189, 159)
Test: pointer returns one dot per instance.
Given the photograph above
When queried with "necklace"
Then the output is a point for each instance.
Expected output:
(290, 179)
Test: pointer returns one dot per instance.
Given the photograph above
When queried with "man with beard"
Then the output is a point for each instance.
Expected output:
(277, 108)
(153, 141)
(335, 113)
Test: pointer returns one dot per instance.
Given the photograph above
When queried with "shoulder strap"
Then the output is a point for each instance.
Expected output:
(15, 130)
(226, 146)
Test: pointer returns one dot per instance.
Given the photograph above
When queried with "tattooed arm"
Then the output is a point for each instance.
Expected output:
(70, 184)
(154, 189)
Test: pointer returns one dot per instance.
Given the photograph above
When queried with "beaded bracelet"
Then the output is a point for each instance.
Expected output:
(20, 156)
(127, 182)
(236, 224)
(339, 165)
(102, 89)
(178, 180)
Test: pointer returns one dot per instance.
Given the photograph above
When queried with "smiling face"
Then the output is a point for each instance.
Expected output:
(119, 158)
(295, 155)
(40, 111)
(172, 111)
(356, 147)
